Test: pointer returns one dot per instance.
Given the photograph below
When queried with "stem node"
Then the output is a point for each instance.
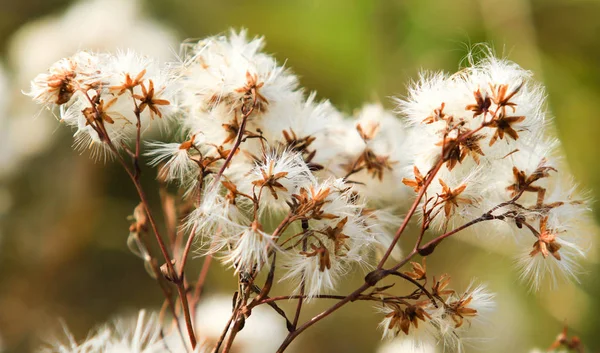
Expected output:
(375, 276)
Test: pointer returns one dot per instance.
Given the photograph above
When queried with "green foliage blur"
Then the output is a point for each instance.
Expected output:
(63, 251)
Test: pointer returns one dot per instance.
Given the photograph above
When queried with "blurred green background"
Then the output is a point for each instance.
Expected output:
(62, 241)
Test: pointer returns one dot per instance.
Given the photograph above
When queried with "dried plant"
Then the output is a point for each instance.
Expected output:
(272, 181)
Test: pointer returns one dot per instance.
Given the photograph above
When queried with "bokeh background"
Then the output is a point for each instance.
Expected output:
(63, 217)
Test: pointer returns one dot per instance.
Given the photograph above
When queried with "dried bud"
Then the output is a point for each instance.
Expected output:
(164, 269)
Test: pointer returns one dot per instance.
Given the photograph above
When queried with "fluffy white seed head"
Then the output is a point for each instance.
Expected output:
(376, 154)
(275, 178)
(139, 335)
(101, 95)
(177, 161)
(336, 237)
(249, 248)
(488, 123)
(562, 241)
(451, 325)
(228, 72)
(34, 47)
(307, 127)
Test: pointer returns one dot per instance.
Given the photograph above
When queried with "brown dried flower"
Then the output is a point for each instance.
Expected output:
(417, 183)
(451, 197)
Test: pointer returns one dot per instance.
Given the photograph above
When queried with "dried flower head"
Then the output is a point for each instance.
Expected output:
(97, 96)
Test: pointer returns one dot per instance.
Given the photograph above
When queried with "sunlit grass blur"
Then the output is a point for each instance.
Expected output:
(62, 241)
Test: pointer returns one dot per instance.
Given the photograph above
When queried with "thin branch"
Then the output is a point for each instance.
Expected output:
(303, 283)
(202, 277)
(270, 300)
(134, 176)
(237, 142)
(411, 212)
(419, 285)
(160, 280)
(237, 326)
(292, 335)
(186, 251)
(267, 300)
(225, 330)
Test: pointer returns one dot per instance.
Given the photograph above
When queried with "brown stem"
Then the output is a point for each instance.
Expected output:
(135, 179)
(349, 298)
(202, 277)
(303, 284)
(245, 286)
(430, 246)
(532, 229)
(166, 292)
(299, 306)
(411, 211)
(163, 249)
(134, 176)
(353, 168)
(186, 312)
(289, 218)
(234, 331)
(225, 330)
(379, 274)
(186, 251)
(169, 214)
(417, 284)
(292, 335)
(262, 293)
(138, 139)
(271, 300)
(237, 142)
(268, 283)
(297, 296)
(273, 305)
(239, 319)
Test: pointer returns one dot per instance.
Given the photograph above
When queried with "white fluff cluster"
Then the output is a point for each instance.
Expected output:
(505, 154)
(39, 43)
(225, 77)
(378, 140)
(102, 94)
(140, 335)
(275, 178)
(339, 234)
(291, 154)
(146, 334)
(220, 75)
(450, 324)
(308, 127)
